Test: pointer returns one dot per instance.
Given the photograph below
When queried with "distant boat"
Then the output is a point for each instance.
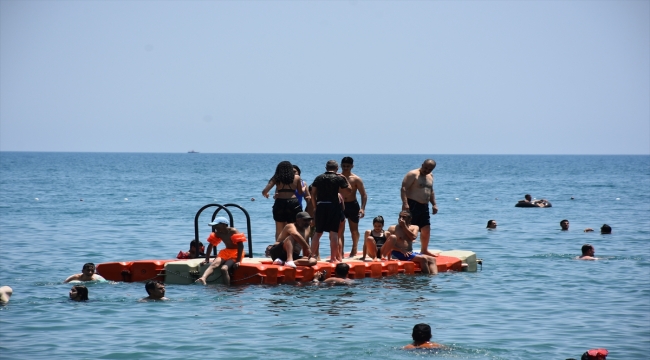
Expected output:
(192, 152)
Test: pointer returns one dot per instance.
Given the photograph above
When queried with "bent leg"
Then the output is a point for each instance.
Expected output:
(370, 247)
(306, 262)
(204, 278)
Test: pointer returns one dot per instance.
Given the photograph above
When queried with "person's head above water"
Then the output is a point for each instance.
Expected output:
(588, 250)
(605, 229)
(564, 224)
(79, 293)
(155, 289)
(421, 333)
(528, 197)
(341, 270)
(492, 224)
(331, 165)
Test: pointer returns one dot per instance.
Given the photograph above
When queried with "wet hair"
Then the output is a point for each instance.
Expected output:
(331, 165)
(284, 173)
(528, 197)
(342, 269)
(82, 292)
(605, 229)
(421, 333)
(379, 219)
(87, 265)
(347, 160)
(489, 222)
(586, 248)
(151, 285)
(295, 167)
(565, 220)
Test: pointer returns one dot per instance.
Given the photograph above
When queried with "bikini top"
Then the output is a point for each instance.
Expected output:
(381, 237)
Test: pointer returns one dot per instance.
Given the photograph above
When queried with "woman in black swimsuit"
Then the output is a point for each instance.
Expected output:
(375, 239)
(286, 204)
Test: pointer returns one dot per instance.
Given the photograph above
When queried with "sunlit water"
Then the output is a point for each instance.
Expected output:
(531, 300)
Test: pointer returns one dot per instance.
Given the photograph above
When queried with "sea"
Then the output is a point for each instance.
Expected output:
(530, 299)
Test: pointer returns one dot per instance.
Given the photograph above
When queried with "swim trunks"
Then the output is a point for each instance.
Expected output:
(328, 217)
(419, 213)
(351, 211)
(400, 256)
(229, 254)
(285, 210)
(278, 252)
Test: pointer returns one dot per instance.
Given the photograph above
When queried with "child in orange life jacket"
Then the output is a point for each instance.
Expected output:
(192, 253)
(228, 258)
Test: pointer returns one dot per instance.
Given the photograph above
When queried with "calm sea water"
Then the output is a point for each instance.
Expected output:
(530, 301)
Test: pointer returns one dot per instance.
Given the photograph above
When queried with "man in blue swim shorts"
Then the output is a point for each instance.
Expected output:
(400, 244)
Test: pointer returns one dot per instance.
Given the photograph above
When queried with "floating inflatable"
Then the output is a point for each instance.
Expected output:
(254, 270)
(534, 204)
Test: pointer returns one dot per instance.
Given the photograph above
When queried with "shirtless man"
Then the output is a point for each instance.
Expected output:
(422, 338)
(228, 258)
(400, 244)
(588, 253)
(155, 290)
(352, 210)
(293, 237)
(87, 274)
(340, 276)
(564, 225)
(324, 199)
(417, 192)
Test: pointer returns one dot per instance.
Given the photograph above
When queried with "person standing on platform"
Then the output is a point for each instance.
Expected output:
(324, 198)
(353, 212)
(417, 192)
(286, 204)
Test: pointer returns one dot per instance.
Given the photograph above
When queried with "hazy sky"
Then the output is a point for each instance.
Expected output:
(425, 77)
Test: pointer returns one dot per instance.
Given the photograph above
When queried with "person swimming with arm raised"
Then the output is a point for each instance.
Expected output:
(227, 259)
(340, 276)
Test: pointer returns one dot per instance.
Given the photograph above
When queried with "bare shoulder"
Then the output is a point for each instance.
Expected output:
(414, 228)
(391, 229)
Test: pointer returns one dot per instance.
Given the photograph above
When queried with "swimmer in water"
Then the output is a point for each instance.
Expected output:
(491, 224)
(588, 253)
(340, 276)
(564, 224)
(156, 291)
(421, 338)
(87, 274)
(79, 293)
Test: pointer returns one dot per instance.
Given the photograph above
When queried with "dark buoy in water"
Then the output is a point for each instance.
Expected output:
(81, 199)
(572, 198)
(252, 199)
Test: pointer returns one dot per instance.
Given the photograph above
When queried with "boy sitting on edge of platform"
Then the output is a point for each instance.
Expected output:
(228, 258)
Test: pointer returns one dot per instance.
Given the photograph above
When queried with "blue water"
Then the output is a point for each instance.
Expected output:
(530, 301)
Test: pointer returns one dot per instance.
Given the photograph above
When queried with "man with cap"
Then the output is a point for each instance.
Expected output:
(228, 258)
(293, 237)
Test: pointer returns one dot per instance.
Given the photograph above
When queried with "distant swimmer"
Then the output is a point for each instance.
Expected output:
(353, 212)
(375, 240)
(340, 276)
(78, 293)
(416, 193)
(155, 290)
(529, 202)
(87, 274)
(605, 229)
(400, 244)
(293, 239)
(588, 253)
(422, 338)
(491, 224)
(227, 259)
(5, 294)
(564, 225)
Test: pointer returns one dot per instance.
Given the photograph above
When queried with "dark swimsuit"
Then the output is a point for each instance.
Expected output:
(379, 240)
(285, 210)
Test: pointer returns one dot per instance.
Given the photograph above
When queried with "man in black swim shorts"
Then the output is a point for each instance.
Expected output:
(417, 192)
(353, 212)
(325, 200)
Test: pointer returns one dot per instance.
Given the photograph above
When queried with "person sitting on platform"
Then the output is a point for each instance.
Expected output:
(227, 259)
(400, 243)
(155, 290)
(87, 274)
(293, 237)
(340, 276)
(375, 240)
(421, 338)
(79, 293)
